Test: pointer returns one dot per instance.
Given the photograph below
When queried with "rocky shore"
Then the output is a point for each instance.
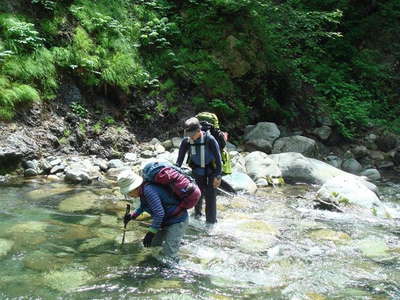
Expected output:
(64, 146)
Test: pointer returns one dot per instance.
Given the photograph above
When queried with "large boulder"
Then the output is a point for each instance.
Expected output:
(241, 182)
(344, 190)
(238, 162)
(260, 166)
(263, 130)
(296, 167)
(16, 147)
(297, 143)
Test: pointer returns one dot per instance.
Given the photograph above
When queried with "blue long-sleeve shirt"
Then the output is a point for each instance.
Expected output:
(212, 155)
(160, 204)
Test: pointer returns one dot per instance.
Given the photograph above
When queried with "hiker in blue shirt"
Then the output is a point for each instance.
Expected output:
(205, 161)
(166, 230)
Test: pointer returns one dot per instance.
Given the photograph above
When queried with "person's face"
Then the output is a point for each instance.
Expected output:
(134, 193)
(196, 135)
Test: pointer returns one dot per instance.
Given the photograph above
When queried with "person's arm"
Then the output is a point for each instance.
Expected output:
(182, 152)
(153, 201)
(214, 147)
(138, 211)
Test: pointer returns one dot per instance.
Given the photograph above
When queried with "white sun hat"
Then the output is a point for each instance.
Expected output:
(128, 181)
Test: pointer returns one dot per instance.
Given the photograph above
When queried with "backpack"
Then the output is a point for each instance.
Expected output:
(209, 122)
(181, 184)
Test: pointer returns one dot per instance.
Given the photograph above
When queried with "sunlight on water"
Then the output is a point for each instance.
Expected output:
(65, 241)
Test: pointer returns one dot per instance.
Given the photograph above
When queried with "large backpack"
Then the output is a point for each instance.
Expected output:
(209, 122)
(181, 184)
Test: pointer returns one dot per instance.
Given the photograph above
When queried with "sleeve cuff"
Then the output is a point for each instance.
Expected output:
(153, 230)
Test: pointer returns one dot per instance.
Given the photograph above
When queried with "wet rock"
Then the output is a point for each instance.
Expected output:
(376, 155)
(91, 244)
(346, 190)
(352, 166)
(30, 172)
(176, 141)
(45, 166)
(241, 182)
(101, 163)
(53, 178)
(76, 176)
(360, 151)
(323, 132)
(45, 261)
(110, 221)
(57, 169)
(260, 166)
(372, 174)
(167, 144)
(16, 147)
(28, 227)
(238, 162)
(130, 157)
(329, 235)
(114, 172)
(67, 279)
(5, 247)
(80, 202)
(373, 247)
(298, 168)
(300, 144)
(54, 162)
(115, 163)
(334, 161)
(147, 154)
(30, 164)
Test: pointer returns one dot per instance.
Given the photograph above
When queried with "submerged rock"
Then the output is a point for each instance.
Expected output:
(330, 235)
(5, 247)
(80, 202)
(67, 279)
(45, 261)
(373, 247)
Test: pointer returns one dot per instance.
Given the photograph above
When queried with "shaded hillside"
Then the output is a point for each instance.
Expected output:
(289, 61)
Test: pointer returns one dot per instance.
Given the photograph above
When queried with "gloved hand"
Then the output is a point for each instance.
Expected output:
(148, 238)
(129, 216)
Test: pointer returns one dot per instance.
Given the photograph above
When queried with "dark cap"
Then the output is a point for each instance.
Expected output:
(192, 126)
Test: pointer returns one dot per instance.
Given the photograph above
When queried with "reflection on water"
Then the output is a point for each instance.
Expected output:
(65, 241)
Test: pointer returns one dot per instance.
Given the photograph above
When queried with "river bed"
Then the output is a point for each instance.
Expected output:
(61, 241)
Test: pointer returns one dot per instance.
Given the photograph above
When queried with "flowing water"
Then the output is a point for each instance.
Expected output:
(64, 242)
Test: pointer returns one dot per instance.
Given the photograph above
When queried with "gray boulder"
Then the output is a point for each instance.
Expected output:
(241, 182)
(296, 167)
(297, 143)
(263, 131)
(260, 166)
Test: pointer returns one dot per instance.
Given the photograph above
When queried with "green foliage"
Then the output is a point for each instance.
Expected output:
(109, 120)
(36, 69)
(12, 94)
(19, 36)
(47, 4)
(286, 59)
(78, 109)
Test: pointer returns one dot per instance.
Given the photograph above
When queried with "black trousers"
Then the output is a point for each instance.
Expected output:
(208, 192)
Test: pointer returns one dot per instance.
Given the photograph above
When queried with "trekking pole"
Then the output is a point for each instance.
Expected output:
(128, 209)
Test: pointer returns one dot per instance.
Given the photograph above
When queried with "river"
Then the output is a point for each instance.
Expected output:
(60, 241)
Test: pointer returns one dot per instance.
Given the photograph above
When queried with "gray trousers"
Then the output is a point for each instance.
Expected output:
(170, 239)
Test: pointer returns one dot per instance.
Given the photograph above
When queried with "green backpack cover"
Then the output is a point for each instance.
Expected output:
(212, 119)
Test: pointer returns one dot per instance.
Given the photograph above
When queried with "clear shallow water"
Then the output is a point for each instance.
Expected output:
(64, 242)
